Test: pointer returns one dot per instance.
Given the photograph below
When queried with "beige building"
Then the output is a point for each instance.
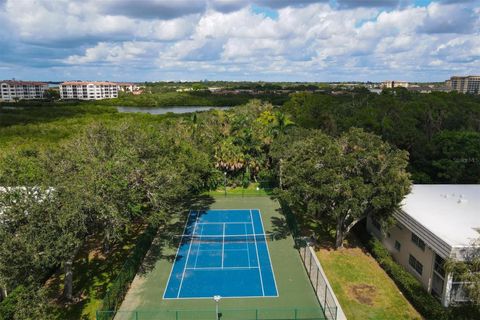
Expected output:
(88, 90)
(435, 222)
(128, 87)
(12, 90)
(468, 84)
(394, 84)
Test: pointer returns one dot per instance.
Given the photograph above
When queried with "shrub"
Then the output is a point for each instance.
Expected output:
(425, 303)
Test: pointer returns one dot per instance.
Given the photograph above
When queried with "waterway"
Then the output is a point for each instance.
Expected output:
(164, 110)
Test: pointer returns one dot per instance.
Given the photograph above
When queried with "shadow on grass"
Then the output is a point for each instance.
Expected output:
(93, 271)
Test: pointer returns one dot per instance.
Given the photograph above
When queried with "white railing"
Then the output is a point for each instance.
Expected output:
(321, 286)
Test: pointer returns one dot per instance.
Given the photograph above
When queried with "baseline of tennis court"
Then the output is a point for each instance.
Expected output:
(222, 252)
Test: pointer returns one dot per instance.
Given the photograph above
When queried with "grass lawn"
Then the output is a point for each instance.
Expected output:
(253, 189)
(294, 288)
(362, 287)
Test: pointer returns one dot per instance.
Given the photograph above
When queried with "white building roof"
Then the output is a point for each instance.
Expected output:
(450, 211)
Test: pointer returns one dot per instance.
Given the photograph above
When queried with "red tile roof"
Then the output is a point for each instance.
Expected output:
(23, 83)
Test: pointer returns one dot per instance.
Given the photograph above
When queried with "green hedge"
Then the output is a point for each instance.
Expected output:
(116, 293)
(425, 303)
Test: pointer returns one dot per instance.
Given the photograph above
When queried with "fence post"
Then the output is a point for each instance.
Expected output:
(295, 313)
(326, 291)
(316, 286)
(136, 315)
(256, 314)
(176, 315)
(310, 268)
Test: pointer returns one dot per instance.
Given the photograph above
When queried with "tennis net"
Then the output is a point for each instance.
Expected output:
(237, 238)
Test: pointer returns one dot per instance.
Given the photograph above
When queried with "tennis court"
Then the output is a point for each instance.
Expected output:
(222, 252)
(147, 297)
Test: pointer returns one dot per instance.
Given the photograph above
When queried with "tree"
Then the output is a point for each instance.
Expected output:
(456, 156)
(51, 94)
(468, 272)
(338, 182)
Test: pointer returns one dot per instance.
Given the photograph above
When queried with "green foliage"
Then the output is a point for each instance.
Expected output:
(436, 129)
(118, 288)
(25, 303)
(338, 182)
(425, 303)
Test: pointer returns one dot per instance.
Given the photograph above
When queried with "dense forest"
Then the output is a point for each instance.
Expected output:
(75, 172)
(441, 131)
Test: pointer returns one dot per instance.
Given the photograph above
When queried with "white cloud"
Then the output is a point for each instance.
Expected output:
(226, 37)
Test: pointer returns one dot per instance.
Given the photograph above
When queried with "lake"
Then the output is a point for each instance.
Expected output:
(164, 110)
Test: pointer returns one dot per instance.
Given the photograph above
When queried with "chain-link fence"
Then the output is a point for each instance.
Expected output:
(223, 314)
(319, 282)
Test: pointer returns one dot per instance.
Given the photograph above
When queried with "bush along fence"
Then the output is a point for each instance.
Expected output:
(429, 307)
(323, 291)
(116, 293)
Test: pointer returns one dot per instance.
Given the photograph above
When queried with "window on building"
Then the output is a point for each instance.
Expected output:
(376, 224)
(398, 246)
(419, 242)
(415, 264)
(438, 265)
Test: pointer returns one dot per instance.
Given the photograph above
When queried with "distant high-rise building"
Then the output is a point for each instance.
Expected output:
(12, 90)
(467, 84)
(88, 90)
(394, 84)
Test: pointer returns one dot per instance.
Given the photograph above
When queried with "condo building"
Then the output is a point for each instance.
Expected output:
(394, 84)
(128, 87)
(467, 84)
(435, 223)
(12, 90)
(88, 90)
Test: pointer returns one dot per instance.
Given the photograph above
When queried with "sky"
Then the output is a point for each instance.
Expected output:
(268, 40)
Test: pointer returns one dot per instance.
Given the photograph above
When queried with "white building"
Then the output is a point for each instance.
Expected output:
(12, 90)
(89, 90)
(435, 223)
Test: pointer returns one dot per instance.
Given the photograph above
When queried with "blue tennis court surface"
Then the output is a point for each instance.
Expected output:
(222, 252)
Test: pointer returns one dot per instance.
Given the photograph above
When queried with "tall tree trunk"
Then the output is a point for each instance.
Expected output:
(68, 282)
(68, 270)
(106, 241)
(339, 235)
(280, 174)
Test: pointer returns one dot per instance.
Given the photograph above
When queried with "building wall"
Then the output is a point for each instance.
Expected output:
(88, 91)
(469, 84)
(18, 90)
(426, 257)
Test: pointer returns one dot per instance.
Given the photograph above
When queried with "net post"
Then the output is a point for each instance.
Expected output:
(296, 313)
(136, 315)
(256, 314)
(176, 315)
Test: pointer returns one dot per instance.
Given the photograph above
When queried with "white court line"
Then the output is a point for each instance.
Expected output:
(223, 222)
(222, 268)
(248, 251)
(176, 255)
(258, 259)
(223, 244)
(188, 256)
(268, 252)
(198, 250)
